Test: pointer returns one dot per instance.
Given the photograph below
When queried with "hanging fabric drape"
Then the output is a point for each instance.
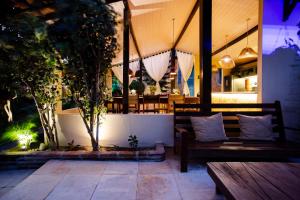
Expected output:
(134, 66)
(186, 63)
(118, 70)
(156, 66)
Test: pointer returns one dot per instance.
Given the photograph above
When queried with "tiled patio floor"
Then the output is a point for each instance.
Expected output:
(110, 180)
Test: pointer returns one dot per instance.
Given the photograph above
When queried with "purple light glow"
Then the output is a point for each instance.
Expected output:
(275, 31)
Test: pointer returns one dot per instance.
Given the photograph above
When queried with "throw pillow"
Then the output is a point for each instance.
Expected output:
(208, 129)
(256, 127)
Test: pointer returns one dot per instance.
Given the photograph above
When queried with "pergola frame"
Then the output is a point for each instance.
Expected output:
(205, 48)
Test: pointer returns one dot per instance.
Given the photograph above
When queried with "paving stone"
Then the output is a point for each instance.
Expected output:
(206, 194)
(159, 186)
(155, 168)
(55, 167)
(5, 190)
(77, 167)
(10, 178)
(115, 187)
(121, 167)
(109, 180)
(195, 181)
(35, 187)
(74, 187)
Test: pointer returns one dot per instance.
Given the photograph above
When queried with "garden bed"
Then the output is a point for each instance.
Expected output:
(34, 159)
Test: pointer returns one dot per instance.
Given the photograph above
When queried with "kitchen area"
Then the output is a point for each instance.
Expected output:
(236, 85)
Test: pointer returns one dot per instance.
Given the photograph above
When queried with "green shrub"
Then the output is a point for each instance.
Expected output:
(23, 133)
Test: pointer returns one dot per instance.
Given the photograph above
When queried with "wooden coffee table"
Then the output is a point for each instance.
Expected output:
(256, 180)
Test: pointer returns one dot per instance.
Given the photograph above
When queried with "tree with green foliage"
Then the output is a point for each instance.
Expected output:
(85, 36)
(28, 60)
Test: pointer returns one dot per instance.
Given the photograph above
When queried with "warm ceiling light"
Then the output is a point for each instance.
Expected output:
(247, 52)
(226, 62)
(173, 73)
(172, 78)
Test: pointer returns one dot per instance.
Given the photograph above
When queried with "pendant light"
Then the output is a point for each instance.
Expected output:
(173, 69)
(226, 62)
(247, 52)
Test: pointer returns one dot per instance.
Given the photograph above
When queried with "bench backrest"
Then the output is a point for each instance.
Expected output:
(183, 112)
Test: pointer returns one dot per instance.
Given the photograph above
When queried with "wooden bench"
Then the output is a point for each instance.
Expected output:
(235, 148)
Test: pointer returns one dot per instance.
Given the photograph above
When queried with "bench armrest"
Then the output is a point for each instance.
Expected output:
(292, 129)
(182, 130)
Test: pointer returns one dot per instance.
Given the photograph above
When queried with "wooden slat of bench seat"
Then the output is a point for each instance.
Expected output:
(226, 120)
(220, 105)
(256, 180)
(250, 150)
(251, 113)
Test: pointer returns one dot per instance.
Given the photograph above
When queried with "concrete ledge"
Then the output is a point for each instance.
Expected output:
(13, 160)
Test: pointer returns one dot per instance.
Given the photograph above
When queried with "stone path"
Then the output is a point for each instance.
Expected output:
(109, 180)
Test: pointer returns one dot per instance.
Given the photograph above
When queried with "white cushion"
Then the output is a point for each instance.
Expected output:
(208, 129)
(256, 127)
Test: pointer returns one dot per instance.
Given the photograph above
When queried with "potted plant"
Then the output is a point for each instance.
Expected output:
(152, 89)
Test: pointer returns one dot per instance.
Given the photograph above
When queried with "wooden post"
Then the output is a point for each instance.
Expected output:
(173, 63)
(141, 70)
(58, 107)
(126, 57)
(205, 50)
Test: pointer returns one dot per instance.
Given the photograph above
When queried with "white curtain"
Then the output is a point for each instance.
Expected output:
(186, 63)
(156, 66)
(134, 66)
(118, 70)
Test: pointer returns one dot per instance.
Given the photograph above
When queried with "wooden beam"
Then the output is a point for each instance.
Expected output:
(173, 63)
(126, 23)
(236, 40)
(187, 23)
(141, 71)
(205, 50)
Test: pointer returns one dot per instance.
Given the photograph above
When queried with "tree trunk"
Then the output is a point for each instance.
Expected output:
(94, 143)
(44, 122)
(97, 129)
(54, 125)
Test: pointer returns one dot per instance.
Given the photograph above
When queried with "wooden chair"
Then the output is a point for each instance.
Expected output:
(178, 99)
(163, 103)
(150, 100)
(192, 100)
(133, 103)
(117, 104)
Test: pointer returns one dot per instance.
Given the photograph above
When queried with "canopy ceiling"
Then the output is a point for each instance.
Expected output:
(152, 25)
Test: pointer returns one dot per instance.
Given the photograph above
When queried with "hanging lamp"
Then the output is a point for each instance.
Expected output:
(173, 69)
(226, 61)
(247, 52)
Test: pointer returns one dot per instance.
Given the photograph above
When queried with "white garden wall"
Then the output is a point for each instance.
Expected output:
(149, 128)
